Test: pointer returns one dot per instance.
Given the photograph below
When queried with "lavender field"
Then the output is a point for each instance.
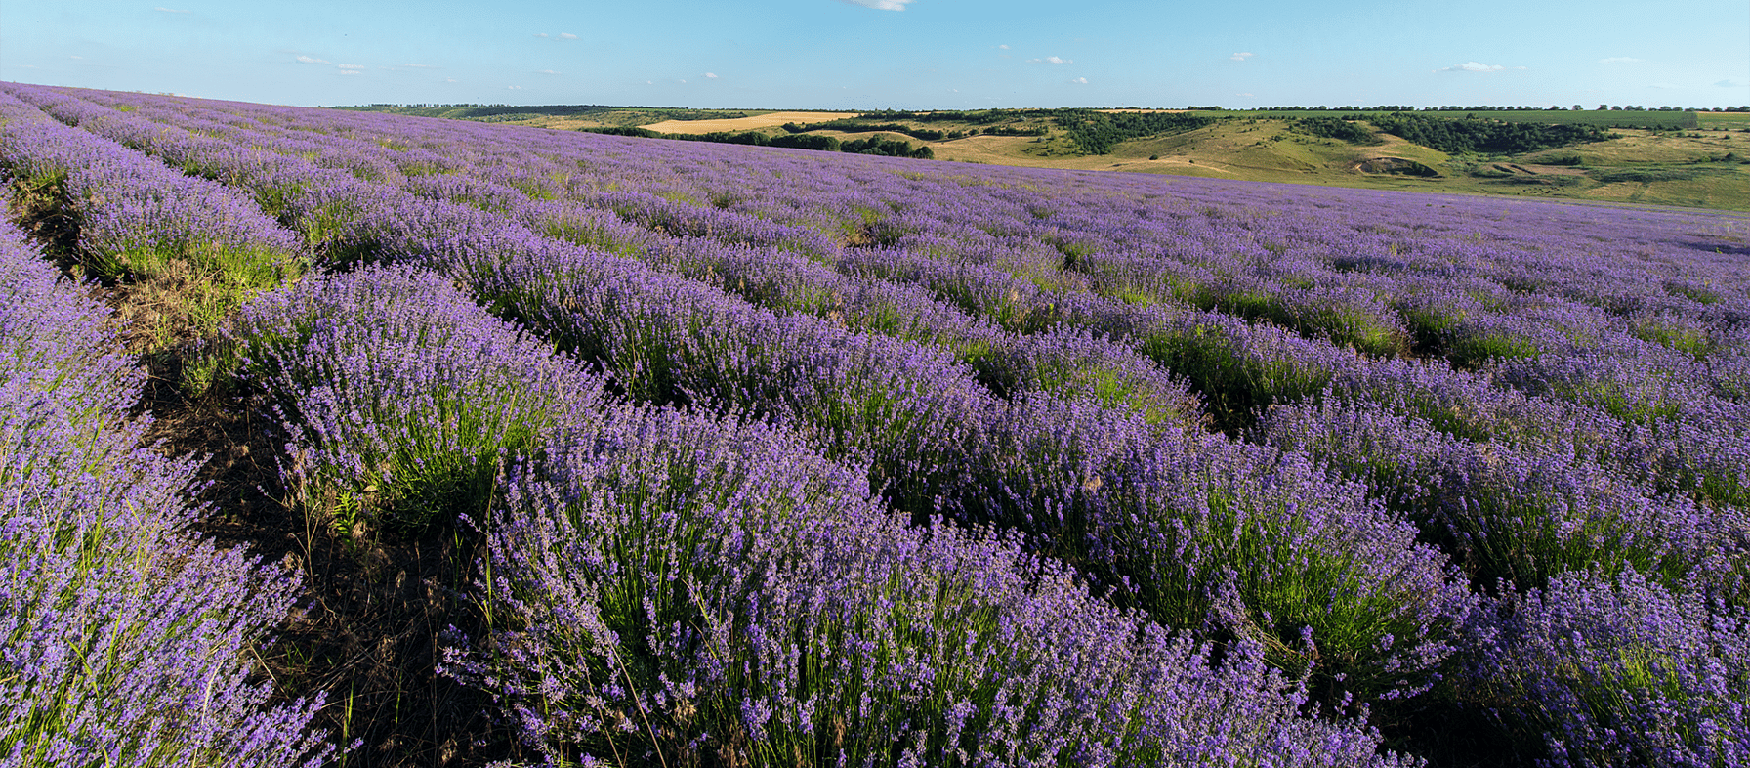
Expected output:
(753, 456)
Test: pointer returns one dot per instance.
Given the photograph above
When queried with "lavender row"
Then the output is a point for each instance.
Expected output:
(400, 399)
(912, 410)
(1265, 380)
(1462, 387)
(1098, 487)
(659, 580)
(1600, 670)
(721, 210)
(665, 212)
(768, 277)
(127, 639)
(775, 604)
(1199, 229)
(1517, 515)
(138, 216)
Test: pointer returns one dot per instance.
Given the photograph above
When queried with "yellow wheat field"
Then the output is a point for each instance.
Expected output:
(767, 120)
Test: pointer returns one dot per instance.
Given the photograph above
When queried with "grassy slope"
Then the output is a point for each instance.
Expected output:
(1687, 168)
(1265, 150)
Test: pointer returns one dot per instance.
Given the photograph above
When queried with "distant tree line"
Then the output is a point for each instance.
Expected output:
(1096, 133)
(1486, 109)
(1336, 128)
(857, 125)
(1334, 109)
(1485, 136)
(862, 125)
(875, 145)
(1575, 108)
(973, 116)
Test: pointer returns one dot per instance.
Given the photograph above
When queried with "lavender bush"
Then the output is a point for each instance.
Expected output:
(124, 639)
(1506, 513)
(676, 586)
(1598, 670)
(400, 396)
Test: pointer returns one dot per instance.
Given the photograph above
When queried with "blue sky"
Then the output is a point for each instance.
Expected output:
(893, 53)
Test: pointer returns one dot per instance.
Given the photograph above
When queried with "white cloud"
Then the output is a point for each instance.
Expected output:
(350, 72)
(683, 82)
(711, 75)
(77, 58)
(451, 80)
(548, 72)
(421, 66)
(1471, 66)
(567, 36)
(1241, 56)
(310, 60)
(513, 87)
(1002, 47)
(542, 34)
(1244, 95)
(162, 9)
(351, 66)
(1081, 80)
(1620, 60)
(879, 5)
(1050, 60)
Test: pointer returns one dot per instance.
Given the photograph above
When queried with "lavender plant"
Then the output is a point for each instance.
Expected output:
(142, 220)
(399, 395)
(1510, 514)
(1205, 533)
(124, 639)
(1608, 671)
(675, 586)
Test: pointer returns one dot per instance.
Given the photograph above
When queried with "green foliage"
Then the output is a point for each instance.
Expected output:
(973, 116)
(806, 141)
(1483, 136)
(1644, 175)
(860, 125)
(1675, 335)
(1336, 128)
(627, 130)
(1097, 133)
(874, 145)
(1234, 380)
(1473, 350)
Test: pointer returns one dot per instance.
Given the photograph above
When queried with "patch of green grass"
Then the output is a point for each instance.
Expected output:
(1472, 350)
